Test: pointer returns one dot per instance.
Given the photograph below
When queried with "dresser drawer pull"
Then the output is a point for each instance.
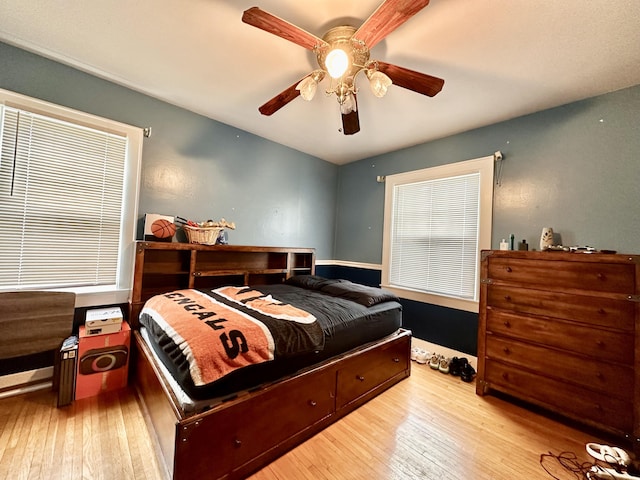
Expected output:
(508, 269)
(599, 375)
(237, 443)
(506, 350)
(396, 360)
(505, 375)
(507, 324)
(600, 276)
(313, 403)
(600, 343)
(507, 298)
(602, 311)
(360, 377)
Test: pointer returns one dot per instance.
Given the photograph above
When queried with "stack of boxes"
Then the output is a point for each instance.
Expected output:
(103, 352)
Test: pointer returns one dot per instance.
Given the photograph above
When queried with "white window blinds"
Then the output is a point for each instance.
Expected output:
(435, 236)
(61, 199)
(436, 222)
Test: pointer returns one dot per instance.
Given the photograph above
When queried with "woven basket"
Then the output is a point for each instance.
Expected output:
(202, 235)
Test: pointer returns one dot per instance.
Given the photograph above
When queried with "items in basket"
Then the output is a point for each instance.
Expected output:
(206, 233)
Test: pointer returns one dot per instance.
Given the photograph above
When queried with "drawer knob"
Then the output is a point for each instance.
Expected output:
(237, 442)
(360, 377)
(599, 375)
(505, 375)
(600, 343)
(508, 269)
(601, 311)
(396, 360)
(313, 403)
(600, 276)
(507, 323)
(507, 298)
(506, 350)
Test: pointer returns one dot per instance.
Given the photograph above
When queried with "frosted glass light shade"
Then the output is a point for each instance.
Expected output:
(307, 87)
(336, 62)
(379, 83)
(348, 105)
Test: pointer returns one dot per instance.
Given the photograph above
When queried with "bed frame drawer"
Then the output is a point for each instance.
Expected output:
(247, 429)
(361, 375)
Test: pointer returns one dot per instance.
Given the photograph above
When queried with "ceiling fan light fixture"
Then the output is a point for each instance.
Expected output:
(307, 87)
(348, 104)
(337, 62)
(379, 82)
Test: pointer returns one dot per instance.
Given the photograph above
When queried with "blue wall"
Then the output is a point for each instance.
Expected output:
(574, 168)
(196, 167)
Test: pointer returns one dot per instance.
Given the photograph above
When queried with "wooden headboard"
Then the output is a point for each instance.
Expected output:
(162, 267)
(34, 322)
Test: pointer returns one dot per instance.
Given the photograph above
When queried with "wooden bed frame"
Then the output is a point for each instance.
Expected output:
(235, 438)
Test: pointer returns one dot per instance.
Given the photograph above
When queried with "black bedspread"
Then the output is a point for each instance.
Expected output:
(349, 315)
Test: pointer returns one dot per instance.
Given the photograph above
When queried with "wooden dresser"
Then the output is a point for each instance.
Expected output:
(560, 330)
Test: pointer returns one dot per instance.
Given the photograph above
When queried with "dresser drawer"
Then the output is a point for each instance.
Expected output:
(367, 371)
(552, 274)
(594, 373)
(611, 346)
(559, 396)
(606, 312)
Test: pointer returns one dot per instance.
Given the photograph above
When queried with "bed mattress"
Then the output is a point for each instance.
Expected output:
(348, 315)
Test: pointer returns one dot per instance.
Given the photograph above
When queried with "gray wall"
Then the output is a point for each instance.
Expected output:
(575, 168)
(195, 167)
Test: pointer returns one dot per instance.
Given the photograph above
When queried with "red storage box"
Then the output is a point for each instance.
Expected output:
(103, 362)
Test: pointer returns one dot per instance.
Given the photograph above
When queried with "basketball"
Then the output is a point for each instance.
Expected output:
(163, 228)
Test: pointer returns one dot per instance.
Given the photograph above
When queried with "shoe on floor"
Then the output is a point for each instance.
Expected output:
(423, 357)
(444, 365)
(467, 373)
(414, 353)
(456, 364)
(435, 361)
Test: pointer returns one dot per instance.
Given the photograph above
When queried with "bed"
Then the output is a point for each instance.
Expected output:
(343, 346)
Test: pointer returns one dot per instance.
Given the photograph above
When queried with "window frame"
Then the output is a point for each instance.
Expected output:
(483, 166)
(120, 291)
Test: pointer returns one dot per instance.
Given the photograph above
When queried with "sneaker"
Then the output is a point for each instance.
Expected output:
(435, 361)
(444, 365)
(415, 351)
(422, 357)
(467, 373)
(456, 364)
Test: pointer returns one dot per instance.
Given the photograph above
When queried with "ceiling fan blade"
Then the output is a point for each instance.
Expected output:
(350, 121)
(387, 17)
(280, 100)
(411, 80)
(272, 24)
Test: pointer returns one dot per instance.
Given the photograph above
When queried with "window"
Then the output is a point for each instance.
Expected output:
(68, 198)
(436, 222)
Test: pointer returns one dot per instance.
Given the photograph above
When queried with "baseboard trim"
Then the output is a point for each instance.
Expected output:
(23, 382)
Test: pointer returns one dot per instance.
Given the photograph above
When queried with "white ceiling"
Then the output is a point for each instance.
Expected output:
(499, 58)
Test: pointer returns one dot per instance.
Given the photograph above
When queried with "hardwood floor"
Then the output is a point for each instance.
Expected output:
(429, 426)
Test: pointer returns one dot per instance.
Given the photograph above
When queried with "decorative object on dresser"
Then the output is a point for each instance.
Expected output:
(560, 330)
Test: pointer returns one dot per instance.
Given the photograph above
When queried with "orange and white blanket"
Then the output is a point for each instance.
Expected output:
(219, 331)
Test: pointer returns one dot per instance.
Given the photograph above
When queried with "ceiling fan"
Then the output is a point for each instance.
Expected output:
(342, 53)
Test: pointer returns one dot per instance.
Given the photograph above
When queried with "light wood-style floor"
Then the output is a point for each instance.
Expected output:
(430, 426)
